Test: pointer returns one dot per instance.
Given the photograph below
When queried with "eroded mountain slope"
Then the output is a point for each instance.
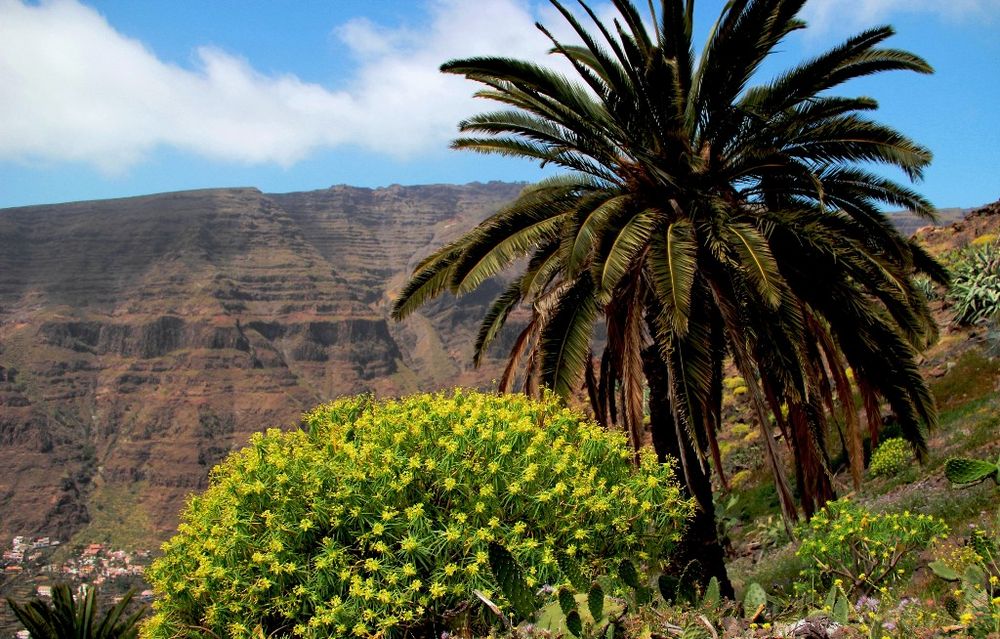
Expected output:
(143, 338)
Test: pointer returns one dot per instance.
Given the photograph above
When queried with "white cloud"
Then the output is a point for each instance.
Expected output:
(837, 15)
(72, 88)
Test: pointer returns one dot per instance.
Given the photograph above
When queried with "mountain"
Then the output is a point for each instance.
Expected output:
(141, 339)
(908, 223)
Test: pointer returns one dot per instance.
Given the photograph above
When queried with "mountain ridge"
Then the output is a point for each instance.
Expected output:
(143, 338)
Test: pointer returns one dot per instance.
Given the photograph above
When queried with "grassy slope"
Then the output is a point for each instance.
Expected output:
(965, 381)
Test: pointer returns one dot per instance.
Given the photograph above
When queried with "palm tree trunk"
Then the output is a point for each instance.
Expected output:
(700, 542)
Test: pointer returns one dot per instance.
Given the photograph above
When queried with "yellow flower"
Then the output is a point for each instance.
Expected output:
(409, 544)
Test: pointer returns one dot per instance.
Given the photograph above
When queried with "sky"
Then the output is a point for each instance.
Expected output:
(113, 98)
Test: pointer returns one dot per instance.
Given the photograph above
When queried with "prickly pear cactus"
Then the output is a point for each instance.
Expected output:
(595, 602)
(841, 610)
(754, 601)
(511, 580)
(628, 574)
(712, 595)
(953, 606)
(961, 470)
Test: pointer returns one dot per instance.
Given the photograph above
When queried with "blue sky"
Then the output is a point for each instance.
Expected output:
(115, 98)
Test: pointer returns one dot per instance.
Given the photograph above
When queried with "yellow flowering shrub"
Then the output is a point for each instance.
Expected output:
(891, 457)
(377, 519)
(864, 549)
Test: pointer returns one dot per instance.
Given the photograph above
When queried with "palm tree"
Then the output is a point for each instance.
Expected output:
(702, 218)
(69, 618)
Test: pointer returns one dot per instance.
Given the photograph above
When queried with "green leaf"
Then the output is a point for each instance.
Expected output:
(841, 610)
(643, 595)
(673, 263)
(754, 601)
(628, 574)
(571, 569)
(567, 602)
(974, 575)
(511, 580)
(960, 470)
(953, 607)
(695, 630)
(667, 585)
(758, 262)
(595, 602)
(495, 319)
(627, 244)
(943, 570)
(831, 598)
(565, 339)
(712, 594)
(574, 623)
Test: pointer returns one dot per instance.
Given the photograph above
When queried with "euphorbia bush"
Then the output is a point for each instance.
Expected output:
(863, 549)
(891, 457)
(377, 519)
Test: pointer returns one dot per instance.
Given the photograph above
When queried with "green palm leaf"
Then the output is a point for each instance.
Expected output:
(495, 319)
(757, 262)
(565, 338)
(673, 264)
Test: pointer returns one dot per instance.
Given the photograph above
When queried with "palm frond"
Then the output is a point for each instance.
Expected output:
(565, 337)
(620, 249)
(427, 282)
(495, 319)
(757, 261)
(672, 264)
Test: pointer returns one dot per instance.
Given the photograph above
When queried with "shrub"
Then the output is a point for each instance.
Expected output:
(864, 549)
(891, 457)
(927, 287)
(77, 617)
(975, 286)
(380, 518)
(975, 570)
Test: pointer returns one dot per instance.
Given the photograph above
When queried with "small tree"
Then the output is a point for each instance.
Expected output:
(704, 215)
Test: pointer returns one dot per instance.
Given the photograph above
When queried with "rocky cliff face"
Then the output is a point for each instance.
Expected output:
(142, 339)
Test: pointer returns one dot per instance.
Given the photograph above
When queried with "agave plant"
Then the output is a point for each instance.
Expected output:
(77, 618)
(700, 218)
(975, 288)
